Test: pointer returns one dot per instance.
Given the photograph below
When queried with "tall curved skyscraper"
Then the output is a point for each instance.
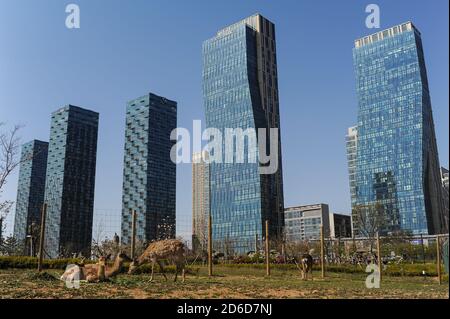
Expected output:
(397, 169)
(240, 91)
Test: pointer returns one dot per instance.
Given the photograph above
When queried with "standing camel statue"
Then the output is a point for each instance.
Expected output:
(306, 266)
(305, 263)
(172, 250)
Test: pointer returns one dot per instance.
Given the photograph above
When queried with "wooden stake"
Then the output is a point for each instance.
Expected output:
(438, 259)
(210, 267)
(322, 251)
(267, 250)
(423, 248)
(210, 244)
(380, 265)
(41, 239)
(133, 233)
(31, 240)
(354, 242)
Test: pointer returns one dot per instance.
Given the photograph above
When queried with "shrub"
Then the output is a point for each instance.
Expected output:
(244, 262)
(391, 270)
(32, 262)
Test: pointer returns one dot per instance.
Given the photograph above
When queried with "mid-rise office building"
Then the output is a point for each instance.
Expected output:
(149, 175)
(70, 181)
(304, 222)
(240, 91)
(200, 201)
(30, 192)
(351, 144)
(397, 166)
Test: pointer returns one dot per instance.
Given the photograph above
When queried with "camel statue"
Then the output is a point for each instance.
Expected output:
(171, 250)
(96, 272)
(307, 265)
(100, 276)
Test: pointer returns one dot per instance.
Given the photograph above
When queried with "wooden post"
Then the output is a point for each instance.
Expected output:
(338, 254)
(354, 242)
(256, 248)
(423, 248)
(210, 267)
(210, 244)
(31, 240)
(380, 263)
(438, 259)
(133, 233)
(267, 250)
(322, 250)
(41, 239)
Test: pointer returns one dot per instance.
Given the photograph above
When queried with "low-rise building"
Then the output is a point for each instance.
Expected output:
(303, 222)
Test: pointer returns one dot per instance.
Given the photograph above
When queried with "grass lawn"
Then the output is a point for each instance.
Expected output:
(227, 283)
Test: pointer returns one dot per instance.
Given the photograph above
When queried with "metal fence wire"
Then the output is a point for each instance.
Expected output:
(395, 253)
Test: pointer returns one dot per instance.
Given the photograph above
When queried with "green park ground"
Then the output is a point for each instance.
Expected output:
(243, 282)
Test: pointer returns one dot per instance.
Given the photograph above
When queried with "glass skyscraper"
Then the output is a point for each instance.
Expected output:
(149, 175)
(397, 160)
(240, 90)
(30, 190)
(70, 181)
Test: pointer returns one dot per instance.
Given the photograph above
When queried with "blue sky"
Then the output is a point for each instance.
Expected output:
(126, 49)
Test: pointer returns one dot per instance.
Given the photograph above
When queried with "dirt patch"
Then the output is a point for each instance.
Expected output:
(19, 284)
(210, 293)
(137, 294)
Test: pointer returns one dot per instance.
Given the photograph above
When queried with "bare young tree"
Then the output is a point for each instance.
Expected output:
(9, 161)
(369, 220)
(5, 208)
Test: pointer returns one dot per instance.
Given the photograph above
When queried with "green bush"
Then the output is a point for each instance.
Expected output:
(32, 262)
(391, 270)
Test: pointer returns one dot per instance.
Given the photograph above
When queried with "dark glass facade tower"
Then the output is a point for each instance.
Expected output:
(397, 158)
(70, 181)
(30, 191)
(240, 90)
(149, 175)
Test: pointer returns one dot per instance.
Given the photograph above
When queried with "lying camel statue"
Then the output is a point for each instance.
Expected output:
(96, 272)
